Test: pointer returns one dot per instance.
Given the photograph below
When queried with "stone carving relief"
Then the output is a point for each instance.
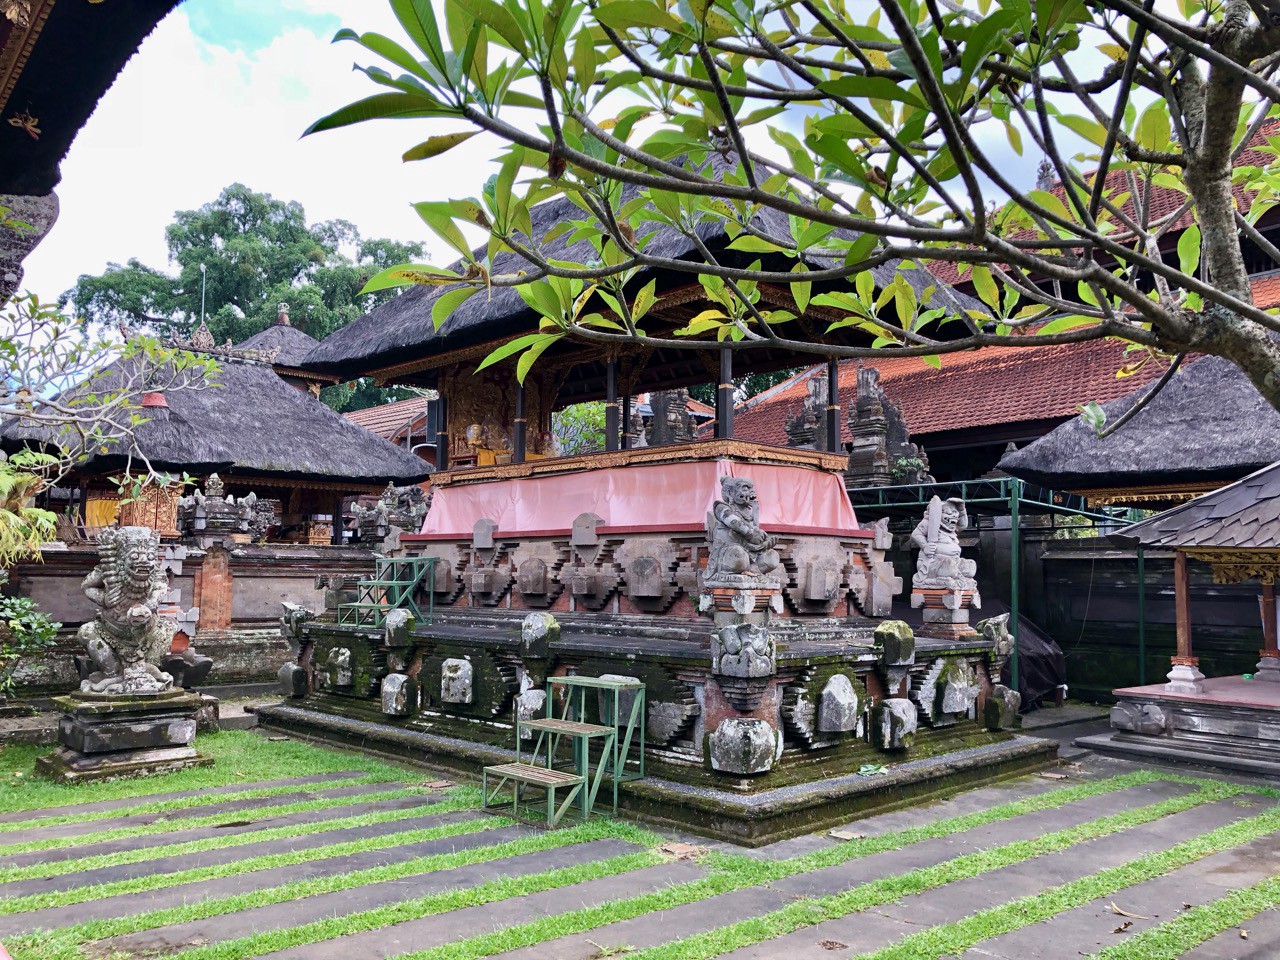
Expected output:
(456, 681)
(1148, 719)
(127, 636)
(895, 724)
(745, 746)
(944, 583)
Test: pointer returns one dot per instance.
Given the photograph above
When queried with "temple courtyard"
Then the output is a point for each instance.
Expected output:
(288, 850)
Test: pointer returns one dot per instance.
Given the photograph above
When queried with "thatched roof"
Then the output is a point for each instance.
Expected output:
(56, 63)
(1209, 425)
(402, 330)
(293, 345)
(250, 422)
(1243, 515)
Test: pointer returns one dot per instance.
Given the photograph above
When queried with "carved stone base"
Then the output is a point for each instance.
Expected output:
(105, 736)
(1185, 677)
(1268, 669)
(751, 596)
(944, 611)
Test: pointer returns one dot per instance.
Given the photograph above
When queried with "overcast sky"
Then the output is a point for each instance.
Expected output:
(220, 93)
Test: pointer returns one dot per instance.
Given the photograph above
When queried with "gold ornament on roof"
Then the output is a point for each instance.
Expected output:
(18, 11)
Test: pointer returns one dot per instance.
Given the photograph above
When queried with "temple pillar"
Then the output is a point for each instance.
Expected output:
(520, 440)
(40, 214)
(724, 396)
(833, 405)
(442, 433)
(626, 422)
(1185, 676)
(612, 426)
(1269, 664)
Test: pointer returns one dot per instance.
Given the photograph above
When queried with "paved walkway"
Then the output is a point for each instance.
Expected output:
(1113, 860)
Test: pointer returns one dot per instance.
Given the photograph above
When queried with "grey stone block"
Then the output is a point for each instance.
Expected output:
(399, 695)
(744, 746)
(838, 708)
(293, 681)
(1000, 712)
(456, 681)
(897, 643)
(895, 724)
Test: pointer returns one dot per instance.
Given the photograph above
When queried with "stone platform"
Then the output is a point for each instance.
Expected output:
(113, 735)
(1233, 724)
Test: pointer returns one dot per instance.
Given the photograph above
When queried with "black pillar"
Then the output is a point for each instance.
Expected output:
(724, 396)
(833, 405)
(611, 405)
(521, 437)
(626, 422)
(442, 434)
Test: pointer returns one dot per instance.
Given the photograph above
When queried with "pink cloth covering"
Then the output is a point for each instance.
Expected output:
(664, 496)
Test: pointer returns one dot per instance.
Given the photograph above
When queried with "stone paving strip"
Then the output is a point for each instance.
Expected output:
(241, 882)
(807, 912)
(954, 901)
(374, 836)
(190, 811)
(1092, 927)
(120, 803)
(737, 873)
(156, 834)
(704, 915)
(166, 940)
(445, 928)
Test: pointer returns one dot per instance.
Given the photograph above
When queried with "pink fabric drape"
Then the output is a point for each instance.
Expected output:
(665, 496)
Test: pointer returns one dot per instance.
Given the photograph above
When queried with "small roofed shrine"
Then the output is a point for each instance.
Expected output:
(257, 426)
(733, 580)
(1208, 427)
(1229, 721)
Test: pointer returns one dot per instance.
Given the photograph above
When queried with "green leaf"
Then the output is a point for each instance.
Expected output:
(382, 106)
(1091, 130)
(408, 274)
(439, 217)
(871, 88)
(1153, 129)
(626, 14)
(1060, 324)
(448, 302)
(499, 20)
(512, 347)
(434, 146)
(1093, 414)
(986, 287)
(1189, 250)
(530, 356)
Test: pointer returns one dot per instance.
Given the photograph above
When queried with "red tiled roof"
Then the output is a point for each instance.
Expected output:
(1266, 290)
(389, 419)
(981, 388)
(1163, 201)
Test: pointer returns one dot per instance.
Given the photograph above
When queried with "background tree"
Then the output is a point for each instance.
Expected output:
(883, 134)
(257, 252)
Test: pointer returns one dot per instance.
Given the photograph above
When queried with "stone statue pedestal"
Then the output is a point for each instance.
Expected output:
(104, 736)
(945, 611)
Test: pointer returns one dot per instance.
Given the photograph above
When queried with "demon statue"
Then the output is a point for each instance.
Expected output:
(128, 635)
(939, 565)
(740, 552)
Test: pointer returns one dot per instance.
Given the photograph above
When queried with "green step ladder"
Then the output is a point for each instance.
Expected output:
(622, 729)
(394, 583)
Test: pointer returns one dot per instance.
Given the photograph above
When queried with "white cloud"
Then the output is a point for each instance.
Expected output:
(187, 117)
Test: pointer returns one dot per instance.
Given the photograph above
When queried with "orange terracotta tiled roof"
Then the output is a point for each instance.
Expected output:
(389, 419)
(1266, 290)
(981, 388)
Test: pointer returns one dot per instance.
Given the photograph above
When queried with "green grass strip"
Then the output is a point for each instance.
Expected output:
(465, 797)
(168, 826)
(733, 872)
(1175, 937)
(270, 861)
(183, 803)
(65, 943)
(958, 937)
(240, 757)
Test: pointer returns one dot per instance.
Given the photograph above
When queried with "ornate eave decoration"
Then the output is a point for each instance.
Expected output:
(1239, 565)
(202, 341)
(1124, 496)
(28, 18)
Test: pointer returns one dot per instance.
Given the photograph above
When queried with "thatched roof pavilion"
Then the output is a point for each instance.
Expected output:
(398, 342)
(1208, 427)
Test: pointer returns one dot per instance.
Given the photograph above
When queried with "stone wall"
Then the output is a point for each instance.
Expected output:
(239, 592)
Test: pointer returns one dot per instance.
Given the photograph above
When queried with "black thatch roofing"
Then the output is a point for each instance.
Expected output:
(75, 52)
(1208, 425)
(292, 343)
(249, 422)
(401, 330)
(1245, 514)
